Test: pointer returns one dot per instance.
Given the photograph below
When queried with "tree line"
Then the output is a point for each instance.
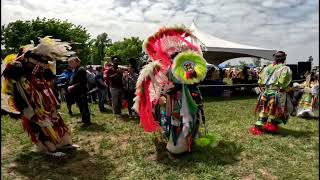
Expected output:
(90, 50)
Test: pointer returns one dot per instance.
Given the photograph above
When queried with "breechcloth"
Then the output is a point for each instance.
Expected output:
(269, 106)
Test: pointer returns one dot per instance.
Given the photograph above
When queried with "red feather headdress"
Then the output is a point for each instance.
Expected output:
(160, 48)
(168, 41)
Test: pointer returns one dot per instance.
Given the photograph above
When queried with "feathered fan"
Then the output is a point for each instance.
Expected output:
(189, 67)
(7, 102)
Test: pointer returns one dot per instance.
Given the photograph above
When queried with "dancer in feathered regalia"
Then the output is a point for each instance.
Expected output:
(167, 97)
(27, 94)
(308, 103)
(274, 101)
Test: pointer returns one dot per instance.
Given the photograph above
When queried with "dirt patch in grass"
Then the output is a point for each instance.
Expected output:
(266, 175)
(5, 151)
(249, 177)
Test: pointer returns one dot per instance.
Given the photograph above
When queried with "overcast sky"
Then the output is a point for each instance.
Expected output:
(289, 25)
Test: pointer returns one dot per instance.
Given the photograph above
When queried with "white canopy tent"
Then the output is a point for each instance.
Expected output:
(212, 66)
(219, 50)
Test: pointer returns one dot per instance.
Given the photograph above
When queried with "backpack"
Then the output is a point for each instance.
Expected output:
(91, 77)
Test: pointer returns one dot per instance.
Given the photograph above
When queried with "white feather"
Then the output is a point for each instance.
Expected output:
(147, 71)
(53, 48)
(160, 85)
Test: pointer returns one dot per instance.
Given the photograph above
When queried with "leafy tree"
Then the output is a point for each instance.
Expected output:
(126, 49)
(18, 33)
(267, 63)
(242, 64)
(257, 62)
(228, 65)
(98, 48)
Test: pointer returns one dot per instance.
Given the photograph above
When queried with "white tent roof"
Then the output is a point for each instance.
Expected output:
(212, 65)
(219, 50)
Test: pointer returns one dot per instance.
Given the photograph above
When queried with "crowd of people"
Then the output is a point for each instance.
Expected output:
(115, 86)
(234, 75)
(109, 85)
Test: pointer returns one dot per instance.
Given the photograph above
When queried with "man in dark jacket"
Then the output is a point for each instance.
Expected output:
(102, 89)
(78, 88)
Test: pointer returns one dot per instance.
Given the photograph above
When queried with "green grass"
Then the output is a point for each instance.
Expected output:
(119, 149)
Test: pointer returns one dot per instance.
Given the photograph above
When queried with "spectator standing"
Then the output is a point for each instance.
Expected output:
(102, 89)
(78, 89)
(66, 76)
(91, 77)
(250, 75)
(221, 73)
(234, 75)
(114, 76)
(245, 74)
(214, 74)
(129, 83)
(227, 80)
(107, 66)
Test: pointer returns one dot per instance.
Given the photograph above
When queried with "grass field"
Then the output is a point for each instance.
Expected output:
(119, 149)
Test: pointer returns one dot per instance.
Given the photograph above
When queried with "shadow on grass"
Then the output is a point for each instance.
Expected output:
(70, 115)
(75, 115)
(108, 111)
(76, 164)
(94, 127)
(224, 153)
(217, 99)
(134, 120)
(126, 118)
(297, 134)
(310, 118)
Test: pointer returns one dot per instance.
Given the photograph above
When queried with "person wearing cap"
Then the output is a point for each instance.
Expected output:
(274, 101)
(78, 88)
(114, 76)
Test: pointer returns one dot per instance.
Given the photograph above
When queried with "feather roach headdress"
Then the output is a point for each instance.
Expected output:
(175, 54)
(167, 42)
(53, 49)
